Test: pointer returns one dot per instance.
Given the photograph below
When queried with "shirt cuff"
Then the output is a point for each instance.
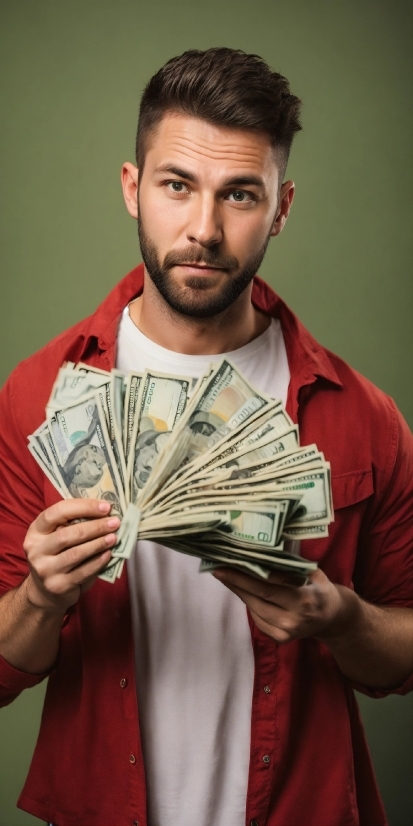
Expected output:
(13, 681)
(378, 693)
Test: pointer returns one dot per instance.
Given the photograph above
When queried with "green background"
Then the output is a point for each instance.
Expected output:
(71, 76)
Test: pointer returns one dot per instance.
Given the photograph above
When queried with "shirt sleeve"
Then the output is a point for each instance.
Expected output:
(21, 500)
(384, 570)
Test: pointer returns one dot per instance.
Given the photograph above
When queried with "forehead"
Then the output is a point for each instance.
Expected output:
(198, 144)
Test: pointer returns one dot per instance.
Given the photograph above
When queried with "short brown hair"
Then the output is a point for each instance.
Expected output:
(226, 87)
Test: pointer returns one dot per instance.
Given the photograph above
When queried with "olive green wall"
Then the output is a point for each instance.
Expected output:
(71, 76)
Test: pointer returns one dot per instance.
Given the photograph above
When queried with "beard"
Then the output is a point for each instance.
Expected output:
(193, 299)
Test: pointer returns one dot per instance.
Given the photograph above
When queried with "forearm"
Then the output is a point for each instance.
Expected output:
(371, 644)
(29, 635)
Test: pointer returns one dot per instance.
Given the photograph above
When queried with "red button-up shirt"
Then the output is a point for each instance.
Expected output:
(309, 764)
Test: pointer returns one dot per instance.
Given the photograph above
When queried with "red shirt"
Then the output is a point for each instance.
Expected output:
(309, 764)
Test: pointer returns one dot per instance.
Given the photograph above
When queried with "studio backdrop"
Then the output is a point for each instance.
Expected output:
(71, 77)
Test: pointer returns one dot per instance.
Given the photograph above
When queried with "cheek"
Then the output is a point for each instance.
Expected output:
(164, 219)
(246, 233)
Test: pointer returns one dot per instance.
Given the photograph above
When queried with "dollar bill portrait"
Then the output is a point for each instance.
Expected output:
(148, 447)
(86, 472)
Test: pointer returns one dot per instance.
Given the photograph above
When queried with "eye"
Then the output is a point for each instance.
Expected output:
(240, 196)
(177, 187)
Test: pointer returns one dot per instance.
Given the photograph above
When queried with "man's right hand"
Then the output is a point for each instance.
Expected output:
(66, 558)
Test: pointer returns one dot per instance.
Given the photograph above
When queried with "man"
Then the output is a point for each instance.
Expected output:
(244, 716)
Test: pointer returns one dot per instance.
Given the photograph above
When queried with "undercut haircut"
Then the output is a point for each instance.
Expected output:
(225, 87)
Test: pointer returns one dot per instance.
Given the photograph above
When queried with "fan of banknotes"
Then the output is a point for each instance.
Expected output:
(210, 467)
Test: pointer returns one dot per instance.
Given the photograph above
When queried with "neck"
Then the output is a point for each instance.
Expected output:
(237, 325)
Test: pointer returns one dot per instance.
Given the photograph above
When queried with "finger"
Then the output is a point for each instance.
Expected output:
(68, 509)
(278, 634)
(295, 580)
(47, 567)
(273, 617)
(83, 576)
(78, 555)
(72, 535)
(283, 595)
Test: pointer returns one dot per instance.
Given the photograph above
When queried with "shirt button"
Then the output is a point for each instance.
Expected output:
(136, 823)
(267, 689)
(266, 759)
(132, 758)
(254, 823)
(123, 683)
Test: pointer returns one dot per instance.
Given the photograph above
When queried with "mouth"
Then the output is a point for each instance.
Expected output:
(205, 269)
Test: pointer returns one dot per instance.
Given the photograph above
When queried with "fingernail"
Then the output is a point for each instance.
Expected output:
(111, 538)
(104, 507)
(113, 522)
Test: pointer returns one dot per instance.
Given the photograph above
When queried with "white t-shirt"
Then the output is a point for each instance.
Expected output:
(193, 654)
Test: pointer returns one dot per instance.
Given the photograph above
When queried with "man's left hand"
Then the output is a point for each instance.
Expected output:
(285, 610)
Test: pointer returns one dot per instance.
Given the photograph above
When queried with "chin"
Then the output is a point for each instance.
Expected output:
(200, 283)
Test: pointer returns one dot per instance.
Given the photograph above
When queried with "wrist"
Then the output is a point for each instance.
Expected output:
(346, 618)
(39, 601)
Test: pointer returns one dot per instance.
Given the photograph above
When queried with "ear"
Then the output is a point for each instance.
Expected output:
(284, 206)
(129, 179)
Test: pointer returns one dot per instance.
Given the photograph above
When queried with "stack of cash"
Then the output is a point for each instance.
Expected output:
(208, 467)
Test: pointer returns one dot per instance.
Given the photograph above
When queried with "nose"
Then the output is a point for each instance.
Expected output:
(205, 226)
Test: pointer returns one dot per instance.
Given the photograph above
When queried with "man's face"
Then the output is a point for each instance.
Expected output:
(208, 200)
(89, 466)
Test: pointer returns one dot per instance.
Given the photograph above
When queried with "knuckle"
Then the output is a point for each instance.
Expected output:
(77, 533)
(40, 567)
(58, 586)
(102, 527)
(29, 544)
(74, 556)
(287, 624)
(50, 515)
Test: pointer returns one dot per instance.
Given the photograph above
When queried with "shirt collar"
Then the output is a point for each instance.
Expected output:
(307, 359)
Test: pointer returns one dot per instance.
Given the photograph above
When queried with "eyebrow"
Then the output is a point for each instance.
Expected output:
(180, 173)
(239, 180)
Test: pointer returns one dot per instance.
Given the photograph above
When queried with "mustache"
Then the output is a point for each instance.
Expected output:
(191, 255)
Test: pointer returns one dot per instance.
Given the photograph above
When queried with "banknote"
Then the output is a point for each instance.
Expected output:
(161, 403)
(133, 383)
(86, 462)
(209, 466)
(223, 403)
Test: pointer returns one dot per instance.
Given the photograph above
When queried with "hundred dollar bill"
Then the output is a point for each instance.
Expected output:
(305, 532)
(225, 402)
(256, 454)
(45, 438)
(276, 563)
(210, 565)
(250, 523)
(42, 456)
(271, 420)
(86, 462)
(118, 391)
(255, 526)
(313, 485)
(161, 403)
(112, 571)
(71, 385)
(133, 383)
(127, 533)
(222, 404)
